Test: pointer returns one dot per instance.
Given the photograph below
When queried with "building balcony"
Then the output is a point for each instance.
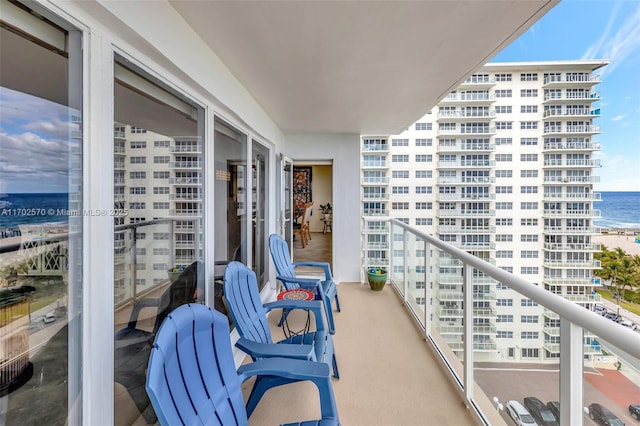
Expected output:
(466, 164)
(581, 196)
(476, 81)
(571, 130)
(373, 181)
(186, 149)
(186, 164)
(483, 98)
(571, 179)
(568, 230)
(376, 212)
(465, 213)
(465, 197)
(459, 229)
(474, 245)
(467, 131)
(573, 113)
(584, 299)
(573, 264)
(466, 147)
(573, 247)
(571, 213)
(582, 163)
(377, 228)
(571, 146)
(460, 115)
(571, 80)
(185, 212)
(375, 164)
(375, 148)
(189, 197)
(573, 97)
(117, 134)
(375, 197)
(583, 282)
(185, 180)
(466, 180)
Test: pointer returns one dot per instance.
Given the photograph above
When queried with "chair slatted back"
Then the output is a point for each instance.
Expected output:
(282, 259)
(191, 377)
(245, 306)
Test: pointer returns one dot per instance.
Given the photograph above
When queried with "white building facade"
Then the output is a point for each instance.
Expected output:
(502, 168)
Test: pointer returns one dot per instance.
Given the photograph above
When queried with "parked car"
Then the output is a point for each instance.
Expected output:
(519, 414)
(602, 416)
(600, 309)
(634, 410)
(539, 411)
(554, 407)
(49, 318)
(613, 316)
(628, 323)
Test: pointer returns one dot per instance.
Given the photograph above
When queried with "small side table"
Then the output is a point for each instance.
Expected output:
(327, 224)
(295, 294)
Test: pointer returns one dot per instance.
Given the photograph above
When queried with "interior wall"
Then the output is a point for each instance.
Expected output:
(344, 151)
(322, 193)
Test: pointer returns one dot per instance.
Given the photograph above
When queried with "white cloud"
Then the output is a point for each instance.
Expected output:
(618, 117)
(618, 46)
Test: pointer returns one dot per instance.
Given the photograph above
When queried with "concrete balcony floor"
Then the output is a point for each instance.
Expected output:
(388, 374)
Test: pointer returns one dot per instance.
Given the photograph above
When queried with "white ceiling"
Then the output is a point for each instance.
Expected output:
(365, 67)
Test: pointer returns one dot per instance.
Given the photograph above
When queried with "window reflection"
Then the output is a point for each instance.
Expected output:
(40, 221)
(158, 229)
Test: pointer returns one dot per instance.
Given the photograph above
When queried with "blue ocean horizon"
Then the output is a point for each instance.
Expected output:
(619, 210)
(32, 208)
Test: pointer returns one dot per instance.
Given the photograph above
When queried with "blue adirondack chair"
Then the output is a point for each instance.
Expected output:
(325, 290)
(192, 379)
(250, 317)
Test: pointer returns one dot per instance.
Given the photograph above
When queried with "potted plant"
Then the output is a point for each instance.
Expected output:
(377, 278)
(326, 210)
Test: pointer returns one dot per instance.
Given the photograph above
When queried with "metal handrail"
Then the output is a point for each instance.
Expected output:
(621, 337)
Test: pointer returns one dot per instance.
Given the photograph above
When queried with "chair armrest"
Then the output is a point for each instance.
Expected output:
(138, 305)
(323, 265)
(296, 370)
(268, 350)
(306, 283)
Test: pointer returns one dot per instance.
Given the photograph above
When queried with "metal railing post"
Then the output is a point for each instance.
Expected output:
(467, 300)
(428, 308)
(571, 373)
(405, 285)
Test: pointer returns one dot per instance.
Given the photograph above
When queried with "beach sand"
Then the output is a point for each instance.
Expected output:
(625, 242)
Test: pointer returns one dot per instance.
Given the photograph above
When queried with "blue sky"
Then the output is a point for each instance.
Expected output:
(597, 30)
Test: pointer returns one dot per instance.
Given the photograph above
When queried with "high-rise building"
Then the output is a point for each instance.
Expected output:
(502, 168)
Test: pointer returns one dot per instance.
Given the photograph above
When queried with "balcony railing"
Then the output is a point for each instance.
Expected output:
(571, 146)
(592, 79)
(460, 355)
(580, 129)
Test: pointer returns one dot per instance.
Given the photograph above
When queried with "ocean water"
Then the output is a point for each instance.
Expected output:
(21, 209)
(619, 210)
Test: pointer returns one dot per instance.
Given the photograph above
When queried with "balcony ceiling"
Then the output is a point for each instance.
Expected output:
(355, 66)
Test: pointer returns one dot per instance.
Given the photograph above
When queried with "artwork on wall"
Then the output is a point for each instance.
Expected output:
(301, 188)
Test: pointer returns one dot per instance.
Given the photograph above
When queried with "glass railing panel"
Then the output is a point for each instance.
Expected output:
(415, 276)
(612, 376)
(399, 265)
(447, 303)
(516, 352)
